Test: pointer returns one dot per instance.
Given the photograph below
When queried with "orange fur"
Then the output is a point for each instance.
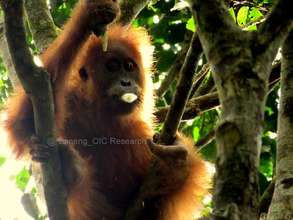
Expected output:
(185, 204)
(110, 176)
(19, 123)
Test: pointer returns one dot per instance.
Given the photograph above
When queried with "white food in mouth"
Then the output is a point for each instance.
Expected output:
(129, 97)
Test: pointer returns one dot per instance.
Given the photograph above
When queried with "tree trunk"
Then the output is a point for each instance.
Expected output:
(282, 204)
(241, 64)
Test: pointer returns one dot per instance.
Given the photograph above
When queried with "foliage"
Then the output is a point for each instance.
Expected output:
(2, 160)
(22, 179)
(5, 86)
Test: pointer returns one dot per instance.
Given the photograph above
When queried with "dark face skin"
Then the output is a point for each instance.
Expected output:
(115, 74)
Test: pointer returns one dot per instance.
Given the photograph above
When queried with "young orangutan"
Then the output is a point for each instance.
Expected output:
(103, 107)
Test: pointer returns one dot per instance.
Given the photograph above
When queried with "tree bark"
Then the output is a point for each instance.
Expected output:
(5, 55)
(41, 24)
(282, 203)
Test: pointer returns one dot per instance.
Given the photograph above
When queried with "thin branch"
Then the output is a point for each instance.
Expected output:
(176, 66)
(200, 104)
(206, 85)
(238, 4)
(194, 107)
(37, 85)
(198, 80)
(275, 76)
(201, 143)
(275, 73)
(266, 197)
(256, 23)
(183, 89)
(172, 74)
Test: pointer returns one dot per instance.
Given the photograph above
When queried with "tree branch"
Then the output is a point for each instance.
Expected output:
(197, 105)
(275, 29)
(41, 23)
(172, 74)
(37, 85)
(266, 197)
(183, 90)
(216, 28)
(206, 85)
(176, 66)
(5, 55)
(275, 73)
(201, 143)
(194, 107)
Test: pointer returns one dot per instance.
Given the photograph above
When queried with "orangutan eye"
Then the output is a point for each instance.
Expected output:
(83, 74)
(113, 65)
(129, 65)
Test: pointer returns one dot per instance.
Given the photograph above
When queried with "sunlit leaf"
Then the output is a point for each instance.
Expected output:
(254, 14)
(232, 13)
(251, 28)
(22, 179)
(268, 1)
(2, 161)
(190, 25)
(266, 165)
(195, 133)
(242, 15)
(269, 111)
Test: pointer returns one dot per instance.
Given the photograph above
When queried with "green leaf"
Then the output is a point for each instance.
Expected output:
(251, 28)
(22, 179)
(269, 110)
(266, 165)
(209, 152)
(242, 15)
(232, 13)
(195, 133)
(2, 161)
(254, 14)
(190, 25)
(267, 1)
